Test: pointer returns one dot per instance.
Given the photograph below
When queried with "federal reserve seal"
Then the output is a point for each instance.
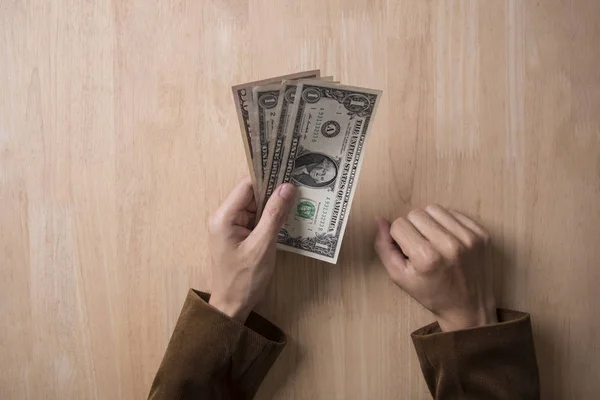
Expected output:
(330, 129)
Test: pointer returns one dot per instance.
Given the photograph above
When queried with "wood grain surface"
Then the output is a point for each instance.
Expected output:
(118, 138)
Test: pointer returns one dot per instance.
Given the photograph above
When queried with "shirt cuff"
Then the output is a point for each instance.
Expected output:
(257, 326)
(474, 363)
(505, 317)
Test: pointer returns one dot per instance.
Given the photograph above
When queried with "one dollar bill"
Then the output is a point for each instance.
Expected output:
(272, 125)
(242, 96)
(265, 99)
(287, 94)
(322, 154)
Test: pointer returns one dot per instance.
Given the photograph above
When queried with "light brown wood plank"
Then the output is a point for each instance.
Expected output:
(118, 138)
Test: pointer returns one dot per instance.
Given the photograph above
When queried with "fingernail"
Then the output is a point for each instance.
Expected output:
(287, 191)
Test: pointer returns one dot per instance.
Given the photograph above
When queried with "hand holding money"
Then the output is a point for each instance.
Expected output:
(310, 132)
(243, 258)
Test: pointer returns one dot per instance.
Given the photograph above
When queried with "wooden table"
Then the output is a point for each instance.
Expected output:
(118, 138)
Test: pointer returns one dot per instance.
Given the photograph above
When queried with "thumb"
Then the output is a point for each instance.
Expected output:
(273, 216)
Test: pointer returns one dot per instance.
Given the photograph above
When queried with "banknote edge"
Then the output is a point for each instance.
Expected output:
(372, 117)
(316, 256)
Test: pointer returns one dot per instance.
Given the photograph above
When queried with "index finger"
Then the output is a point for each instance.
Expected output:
(238, 199)
(410, 240)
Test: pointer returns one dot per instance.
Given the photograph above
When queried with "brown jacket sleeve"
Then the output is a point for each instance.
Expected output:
(491, 362)
(211, 356)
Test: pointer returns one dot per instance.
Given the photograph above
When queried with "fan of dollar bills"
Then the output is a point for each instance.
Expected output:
(308, 130)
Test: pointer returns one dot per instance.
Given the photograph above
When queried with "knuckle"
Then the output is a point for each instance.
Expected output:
(454, 248)
(429, 255)
(393, 267)
(273, 212)
(472, 240)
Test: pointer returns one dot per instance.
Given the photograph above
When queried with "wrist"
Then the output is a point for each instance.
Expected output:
(460, 321)
(233, 309)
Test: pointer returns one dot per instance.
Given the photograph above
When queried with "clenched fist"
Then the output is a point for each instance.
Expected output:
(440, 258)
(244, 258)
